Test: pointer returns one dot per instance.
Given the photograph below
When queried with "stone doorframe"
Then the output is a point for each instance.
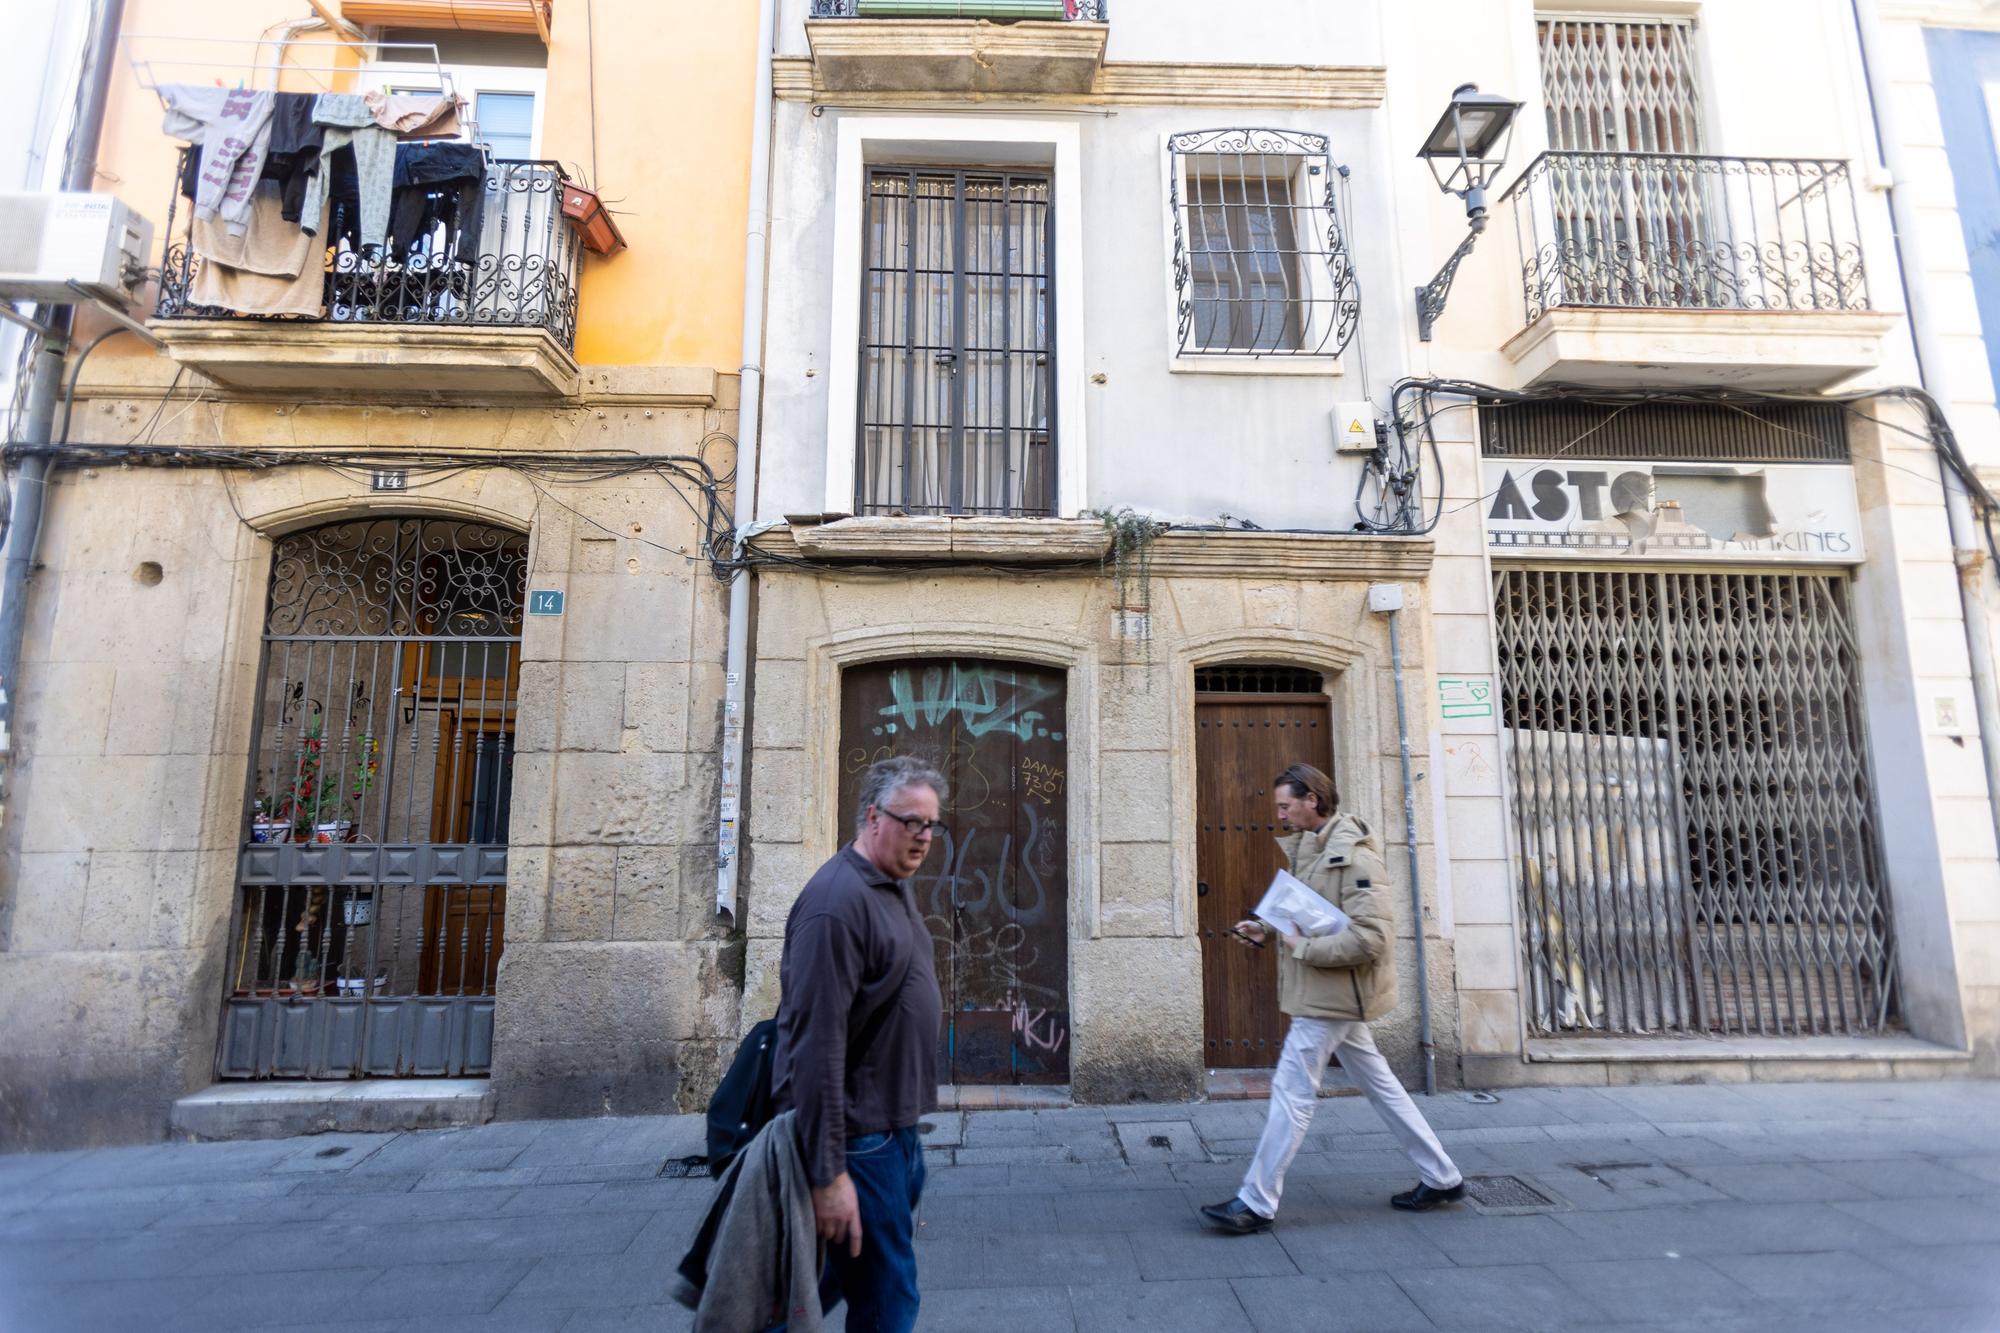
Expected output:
(1352, 670)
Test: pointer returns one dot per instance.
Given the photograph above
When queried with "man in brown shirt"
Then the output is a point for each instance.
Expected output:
(857, 1046)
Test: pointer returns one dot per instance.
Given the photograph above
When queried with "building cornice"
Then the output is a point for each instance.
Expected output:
(1135, 83)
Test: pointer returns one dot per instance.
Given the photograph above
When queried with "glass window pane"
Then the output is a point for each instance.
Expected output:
(506, 123)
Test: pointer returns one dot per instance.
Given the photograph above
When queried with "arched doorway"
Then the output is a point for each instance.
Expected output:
(1251, 722)
(371, 899)
(995, 888)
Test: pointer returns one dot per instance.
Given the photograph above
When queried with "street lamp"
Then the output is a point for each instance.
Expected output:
(1465, 150)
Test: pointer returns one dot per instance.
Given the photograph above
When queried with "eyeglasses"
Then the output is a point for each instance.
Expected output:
(915, 825)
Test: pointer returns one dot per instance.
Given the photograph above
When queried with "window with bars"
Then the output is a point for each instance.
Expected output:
(957, 344)
(1260, 263)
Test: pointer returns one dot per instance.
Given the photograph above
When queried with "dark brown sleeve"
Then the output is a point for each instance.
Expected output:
(826, 961)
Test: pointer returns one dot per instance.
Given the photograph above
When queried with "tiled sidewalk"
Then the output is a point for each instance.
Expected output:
(1761, 1206)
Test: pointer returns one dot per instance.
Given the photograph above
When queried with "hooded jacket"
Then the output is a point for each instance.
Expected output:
(1352, 975)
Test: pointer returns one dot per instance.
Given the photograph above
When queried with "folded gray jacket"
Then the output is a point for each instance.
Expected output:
(756, 1260)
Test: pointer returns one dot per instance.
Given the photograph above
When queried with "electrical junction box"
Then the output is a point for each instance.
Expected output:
(1353, 428)
(1385, 597)
(48, 241)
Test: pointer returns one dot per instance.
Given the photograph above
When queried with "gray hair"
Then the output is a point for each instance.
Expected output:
(889, 776)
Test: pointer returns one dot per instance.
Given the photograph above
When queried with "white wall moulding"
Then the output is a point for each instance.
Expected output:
(955, 55)
(1592, 509)
(1747, 349)
(394, 361)
(1006, 540)
(1143, 83)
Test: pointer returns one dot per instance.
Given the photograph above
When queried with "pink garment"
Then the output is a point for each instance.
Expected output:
(429, 114)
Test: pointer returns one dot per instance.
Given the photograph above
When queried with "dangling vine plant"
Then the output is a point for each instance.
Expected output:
(1131, 556)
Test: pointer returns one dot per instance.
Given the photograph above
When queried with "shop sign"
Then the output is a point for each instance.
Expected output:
(1598, 509)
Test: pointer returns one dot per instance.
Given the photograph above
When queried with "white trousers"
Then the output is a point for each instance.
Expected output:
(1295, 1093)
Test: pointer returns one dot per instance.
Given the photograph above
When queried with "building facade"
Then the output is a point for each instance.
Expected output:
(381, 757)
(1133, 416)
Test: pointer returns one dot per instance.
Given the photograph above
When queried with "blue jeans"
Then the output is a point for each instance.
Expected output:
(880, 1286)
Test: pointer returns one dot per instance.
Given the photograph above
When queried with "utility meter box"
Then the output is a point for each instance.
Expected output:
(1354, 428)
(48, 241)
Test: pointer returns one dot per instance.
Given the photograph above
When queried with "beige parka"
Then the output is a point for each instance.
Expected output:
(1351, 975)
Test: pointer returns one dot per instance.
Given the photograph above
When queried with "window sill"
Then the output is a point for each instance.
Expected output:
(933, 538)
(1199, 364)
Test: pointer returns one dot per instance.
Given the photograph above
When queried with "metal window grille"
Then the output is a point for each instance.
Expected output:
(372, 877)
(1698, 844)
(1261, 266)
(1620, 85)
(1678, 432)
(1257, 680)
(958, 344)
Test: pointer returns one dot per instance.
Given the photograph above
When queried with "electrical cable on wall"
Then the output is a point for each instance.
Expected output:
(1394, 476)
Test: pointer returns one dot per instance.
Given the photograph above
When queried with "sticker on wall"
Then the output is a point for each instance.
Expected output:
(1465, 696)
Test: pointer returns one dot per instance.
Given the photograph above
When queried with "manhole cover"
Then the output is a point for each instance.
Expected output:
(683, 1168)
(1506, 1195)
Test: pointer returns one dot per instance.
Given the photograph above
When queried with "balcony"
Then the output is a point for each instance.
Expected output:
(449, 314)
(957, 46)
(1649, 268)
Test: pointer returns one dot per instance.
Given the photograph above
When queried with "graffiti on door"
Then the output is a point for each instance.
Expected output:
(995, 886)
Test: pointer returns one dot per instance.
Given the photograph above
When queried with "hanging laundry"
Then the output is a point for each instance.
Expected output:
(273, 268)
(433, 115)
(438, 183)
(296, 139)
(233, 128)
(349, 123)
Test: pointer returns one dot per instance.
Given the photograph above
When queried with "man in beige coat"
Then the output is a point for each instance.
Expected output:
(1331, 986)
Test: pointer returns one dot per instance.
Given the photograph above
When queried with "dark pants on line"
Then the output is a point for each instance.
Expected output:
(880, 1287)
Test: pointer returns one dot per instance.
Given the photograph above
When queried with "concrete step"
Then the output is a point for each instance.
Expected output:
(1254, 1085)
(278, 1110)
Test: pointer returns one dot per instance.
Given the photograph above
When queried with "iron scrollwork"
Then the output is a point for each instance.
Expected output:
(1255, 209)
(398, 576)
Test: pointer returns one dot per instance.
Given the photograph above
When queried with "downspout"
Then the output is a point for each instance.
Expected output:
(31, 481)
(1967, 554)
(749, 418)
(1388, 597)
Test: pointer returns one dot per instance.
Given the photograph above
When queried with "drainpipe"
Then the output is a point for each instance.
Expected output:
(750, 415)
(1967, 552)
(31, 479)
(1388, 598)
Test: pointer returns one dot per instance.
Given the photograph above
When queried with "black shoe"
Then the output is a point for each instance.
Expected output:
(1236, 1217)
(1423, 1198)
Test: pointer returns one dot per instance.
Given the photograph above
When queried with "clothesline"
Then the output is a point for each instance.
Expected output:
(249, 74)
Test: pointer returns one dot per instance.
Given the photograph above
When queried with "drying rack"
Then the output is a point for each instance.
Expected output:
(263, 73)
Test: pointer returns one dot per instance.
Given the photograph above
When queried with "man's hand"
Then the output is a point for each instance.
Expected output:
(1251, 931)
(838, 1214)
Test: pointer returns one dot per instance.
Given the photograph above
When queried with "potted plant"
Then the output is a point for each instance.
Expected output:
(312, 811)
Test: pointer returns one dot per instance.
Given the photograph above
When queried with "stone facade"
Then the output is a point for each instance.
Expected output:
(1135, 979)
(616, 989)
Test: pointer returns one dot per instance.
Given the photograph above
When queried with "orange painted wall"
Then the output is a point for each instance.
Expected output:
(674, 84)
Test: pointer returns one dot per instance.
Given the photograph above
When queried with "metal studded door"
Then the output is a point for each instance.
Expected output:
(995, 888)
(1698, 844)
(371, 905)
(1250, 724)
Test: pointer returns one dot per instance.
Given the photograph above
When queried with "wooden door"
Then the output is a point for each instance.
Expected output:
(995, 888)
(1241, 742)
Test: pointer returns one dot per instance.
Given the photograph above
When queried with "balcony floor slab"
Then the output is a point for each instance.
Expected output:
(429, 361)
(1746, 349)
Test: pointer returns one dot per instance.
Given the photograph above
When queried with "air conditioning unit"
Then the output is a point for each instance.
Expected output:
(48, 241)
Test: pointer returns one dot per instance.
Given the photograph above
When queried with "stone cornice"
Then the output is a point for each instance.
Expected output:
(1185, 553)
(1137, 83)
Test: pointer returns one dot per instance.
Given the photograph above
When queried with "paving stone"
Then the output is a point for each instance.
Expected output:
(580, 1281)
(1030, 1153)
(1356, 1303)
(959, 1310)
(1907, 1178)
(947, 1129)
(512, 1177)
(1473, 1241)
(1342, 1243)
(1188, 1249)
(1657, 1290)
(1025, 1261)
(92, 1307)
(1160, 1141)
(1828, 1278)
(1713, 1229)
(1094, 1210)
(1931, 1221)
(1522, 1296)
(1778, 1182)
(266, 1298)
(1161, 1307)
(982, 1214)
(668, 1318)
(1962, 1274)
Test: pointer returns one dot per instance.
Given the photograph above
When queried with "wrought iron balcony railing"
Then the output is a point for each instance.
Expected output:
(1682, 232)
(520, 270)
(1084, 11)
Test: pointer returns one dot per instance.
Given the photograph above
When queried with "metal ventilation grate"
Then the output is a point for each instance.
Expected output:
(1258, 680)
(1504, 1195)
(1678, 432)
(684, 1168)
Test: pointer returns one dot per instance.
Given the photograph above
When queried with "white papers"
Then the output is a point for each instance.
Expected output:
(1292, 908)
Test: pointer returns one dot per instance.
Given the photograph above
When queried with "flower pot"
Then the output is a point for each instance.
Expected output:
(270, 830)
(337, 830)
(591, 222)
